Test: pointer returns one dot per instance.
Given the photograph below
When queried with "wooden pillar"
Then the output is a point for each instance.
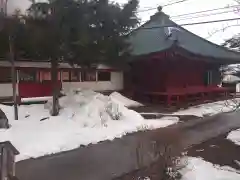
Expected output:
(7, 160)
(3, 166)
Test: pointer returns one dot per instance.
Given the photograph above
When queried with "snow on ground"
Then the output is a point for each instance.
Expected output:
(168, 118)
(117, 97)
(85, 117)
(234, 136)
(210, 109)
(165, 121)
(198, 169)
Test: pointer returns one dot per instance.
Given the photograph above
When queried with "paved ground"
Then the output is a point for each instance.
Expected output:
(204, 138)
(209, 128)
(219, 151)
(109, 160)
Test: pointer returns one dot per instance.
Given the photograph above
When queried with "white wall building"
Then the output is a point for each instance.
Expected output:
(34, 78)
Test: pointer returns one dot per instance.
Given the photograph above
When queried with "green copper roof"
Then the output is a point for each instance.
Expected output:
(146, 40)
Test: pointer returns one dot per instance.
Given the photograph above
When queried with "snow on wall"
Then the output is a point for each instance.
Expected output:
(115, 84)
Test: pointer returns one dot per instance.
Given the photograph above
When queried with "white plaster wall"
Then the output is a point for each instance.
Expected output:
(6, 90)
(115, 84)
(117, 80)
(238, 87)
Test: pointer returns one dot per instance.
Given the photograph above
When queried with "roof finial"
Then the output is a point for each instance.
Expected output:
(159, 8)
(158, 13)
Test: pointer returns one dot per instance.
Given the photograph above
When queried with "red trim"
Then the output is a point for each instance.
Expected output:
(27, 90)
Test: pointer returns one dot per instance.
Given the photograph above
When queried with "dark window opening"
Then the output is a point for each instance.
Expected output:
(65, 76)
(27, 76)
(104, 76)
(89, 76)
(75, 76)
(45, 76)
(5, 76)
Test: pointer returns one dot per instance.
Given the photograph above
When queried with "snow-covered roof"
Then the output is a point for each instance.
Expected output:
(33, 64)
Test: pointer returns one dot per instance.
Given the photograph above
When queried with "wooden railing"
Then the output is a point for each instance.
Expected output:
(7, 161)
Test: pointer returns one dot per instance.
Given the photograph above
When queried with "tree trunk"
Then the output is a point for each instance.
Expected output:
(14, 78)
(55, 90)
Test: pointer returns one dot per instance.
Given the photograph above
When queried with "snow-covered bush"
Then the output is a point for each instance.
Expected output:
(113, 110)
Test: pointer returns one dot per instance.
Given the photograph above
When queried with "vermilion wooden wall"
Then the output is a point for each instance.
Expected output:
(165, 72)
(149, 75)
(184, 73)
(35, 89)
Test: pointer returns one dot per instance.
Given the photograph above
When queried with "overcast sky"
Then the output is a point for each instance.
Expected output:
(181, 8)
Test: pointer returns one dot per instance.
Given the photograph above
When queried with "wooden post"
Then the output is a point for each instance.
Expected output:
(3, 164)
(7, 160)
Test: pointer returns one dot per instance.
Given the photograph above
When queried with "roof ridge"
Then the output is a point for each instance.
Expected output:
(159, 13)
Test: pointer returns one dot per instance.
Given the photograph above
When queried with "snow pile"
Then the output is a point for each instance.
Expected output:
(117, 97)
(85, 117)
(94, 109)
(230, 79)
(210, 109)
(232, 69)
(198, 169)
(234, 136)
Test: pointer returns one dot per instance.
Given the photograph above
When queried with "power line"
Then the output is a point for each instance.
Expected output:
(192, 13)
(144, 9)
(181, 16)
(209, 10)
(149, 7)
(155, 8)
(173, 3)
(190, 24)
(202, 15)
